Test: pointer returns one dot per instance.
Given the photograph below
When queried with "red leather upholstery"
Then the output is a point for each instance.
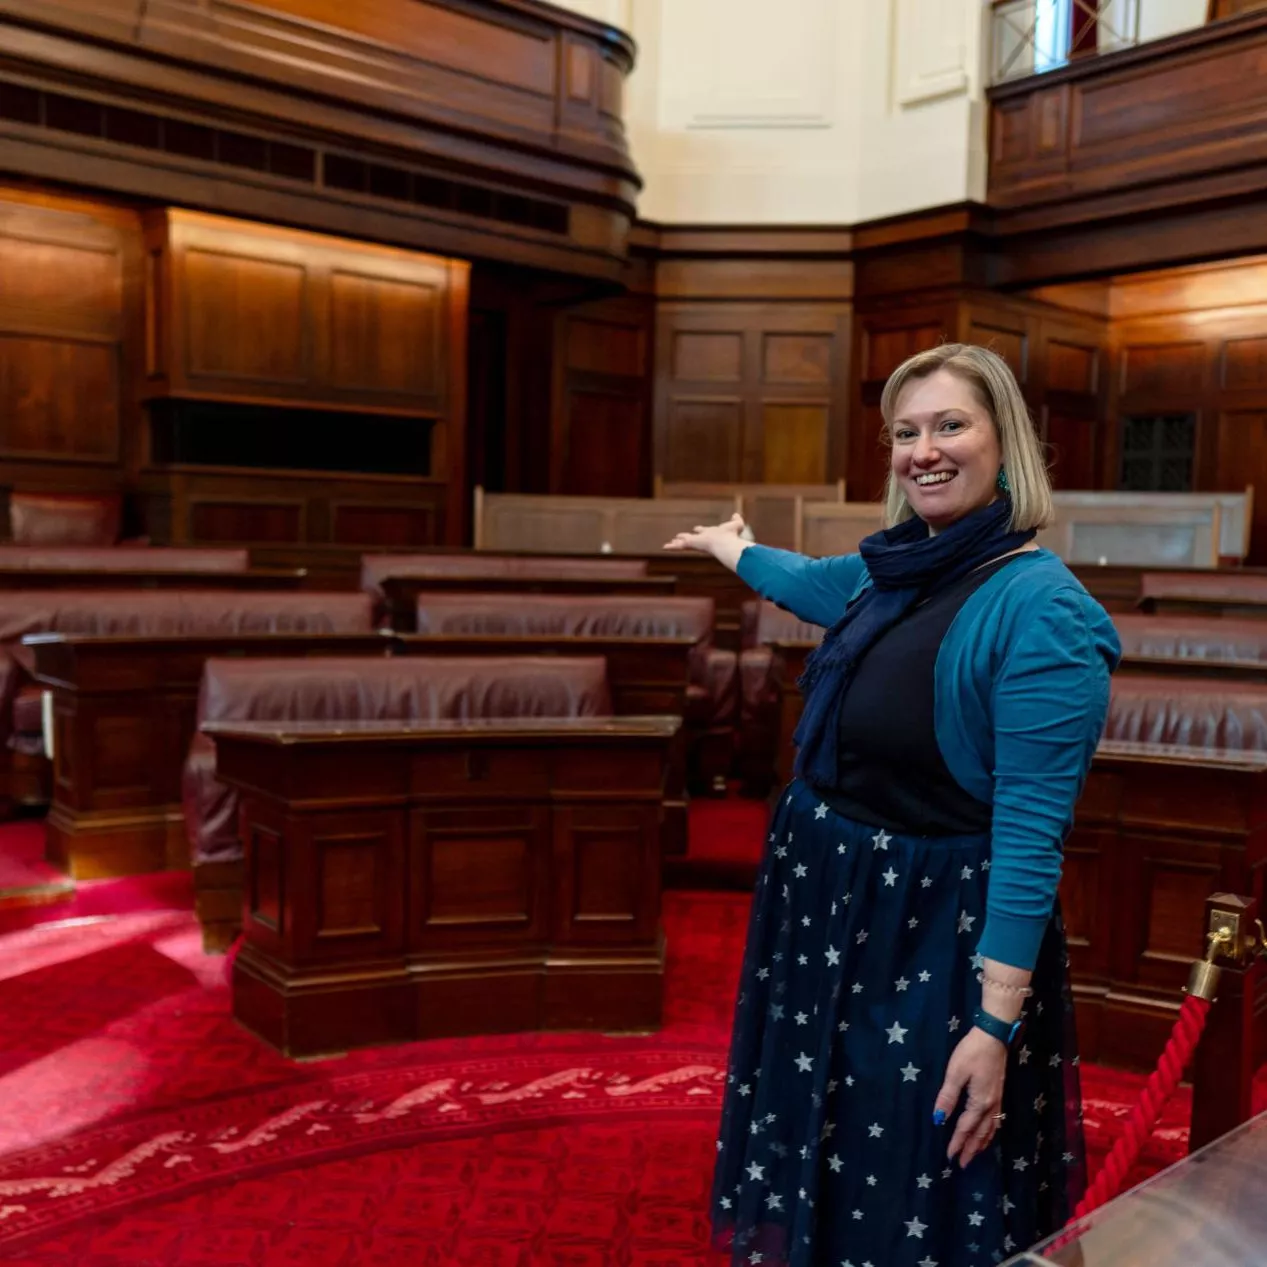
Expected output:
(122, 558)
(53, 519)
(375, 568)
(1188, 712)
(28, 722)
(337, 689)
(161, 613)
(1192, 637)
(711, 701)
(566, 615)
(762, 624)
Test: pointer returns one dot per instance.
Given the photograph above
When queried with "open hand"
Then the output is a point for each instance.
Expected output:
(717, 540)
(977, 1065)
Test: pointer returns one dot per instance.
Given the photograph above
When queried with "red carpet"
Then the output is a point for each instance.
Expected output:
(25, 877)
(141, 1125)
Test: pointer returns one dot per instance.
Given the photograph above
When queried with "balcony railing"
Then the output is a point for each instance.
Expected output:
(1030, 37)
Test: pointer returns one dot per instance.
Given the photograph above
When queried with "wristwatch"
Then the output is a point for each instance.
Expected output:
(1004, 1031)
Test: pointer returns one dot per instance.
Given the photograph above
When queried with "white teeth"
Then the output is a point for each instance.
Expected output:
(938, 477)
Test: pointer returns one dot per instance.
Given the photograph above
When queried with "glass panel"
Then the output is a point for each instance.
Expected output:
(1033, 36)
(1157, 454)
(1207, 1209)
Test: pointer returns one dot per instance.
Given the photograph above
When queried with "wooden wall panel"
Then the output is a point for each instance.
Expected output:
(484, 129)
(1170, 112)
(66, 320)
(1241, 459)
(601, 409)
(751, 392)
(246, 320)
(250, 312)
(386, 336)
(59, 399)
(795, 442)
(704, 441)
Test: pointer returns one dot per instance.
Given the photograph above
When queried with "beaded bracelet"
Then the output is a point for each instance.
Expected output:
(1023, 990)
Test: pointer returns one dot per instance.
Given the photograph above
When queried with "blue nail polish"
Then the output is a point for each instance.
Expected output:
(939, 1117)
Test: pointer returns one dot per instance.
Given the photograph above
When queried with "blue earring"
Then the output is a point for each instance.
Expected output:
(1003, 485)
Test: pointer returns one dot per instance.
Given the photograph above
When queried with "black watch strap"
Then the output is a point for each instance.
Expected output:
(1004, 1031)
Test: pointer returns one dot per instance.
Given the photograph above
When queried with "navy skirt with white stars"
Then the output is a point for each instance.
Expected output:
(859, 977)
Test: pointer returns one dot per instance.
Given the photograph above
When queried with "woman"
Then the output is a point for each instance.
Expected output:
(884, 1108)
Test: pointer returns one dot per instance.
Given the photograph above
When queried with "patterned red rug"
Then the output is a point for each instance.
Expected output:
(142, 1125)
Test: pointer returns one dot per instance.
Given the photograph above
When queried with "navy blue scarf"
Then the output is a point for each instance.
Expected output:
(906, 565)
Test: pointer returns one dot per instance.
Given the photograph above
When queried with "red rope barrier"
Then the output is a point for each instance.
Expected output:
(1160, 1087)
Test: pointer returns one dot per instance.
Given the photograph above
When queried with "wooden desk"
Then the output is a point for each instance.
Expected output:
(646, 676)
(1158, 829)
(1206, 1211)
(19, 578)
(1203, 605)
(409, 882)
(123, 717)
(402, 591)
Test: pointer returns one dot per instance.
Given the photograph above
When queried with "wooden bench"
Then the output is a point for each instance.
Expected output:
(1148, 536)
(351, 689)
(774, 512)
(539, 523)
(1236, 511)
(711, 702)
(838, 527)
(411, 882)
(124, 670)
(1205, 594)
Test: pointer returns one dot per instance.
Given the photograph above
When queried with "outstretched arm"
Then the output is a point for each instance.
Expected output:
(815, 590)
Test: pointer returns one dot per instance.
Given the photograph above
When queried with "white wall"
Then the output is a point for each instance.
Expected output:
(1159, 18)
(803, 111)
(814, 111)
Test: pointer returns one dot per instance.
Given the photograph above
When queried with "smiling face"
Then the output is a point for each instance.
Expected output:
(946, 452)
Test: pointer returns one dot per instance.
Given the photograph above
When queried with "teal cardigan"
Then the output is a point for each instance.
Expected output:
(1022, 692)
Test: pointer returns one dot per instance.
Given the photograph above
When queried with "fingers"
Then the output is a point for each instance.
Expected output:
(979, 1140)
(948, 1097)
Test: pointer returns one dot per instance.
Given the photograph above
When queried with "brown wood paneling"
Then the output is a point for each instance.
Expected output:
(707, 357)
(601, 399)
(230, 522)
(246, 319)
(1242, 459)
(705, 440)
(248, 312)
(1072, 450)
(1245, 364)
(1072, 368)
(376, 525)
(740, 387)
(65, 329)
(1011, 344)
(59, 399)
(886, 349)
(606, 443)
(386, 336)
(1186, 105)
(797, 358)
(795, 442)
(1162, 370)
(402, 120)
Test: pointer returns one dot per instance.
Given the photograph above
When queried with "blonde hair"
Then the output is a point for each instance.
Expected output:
(996, 388)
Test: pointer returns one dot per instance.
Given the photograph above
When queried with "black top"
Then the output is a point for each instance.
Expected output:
(891, 772)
